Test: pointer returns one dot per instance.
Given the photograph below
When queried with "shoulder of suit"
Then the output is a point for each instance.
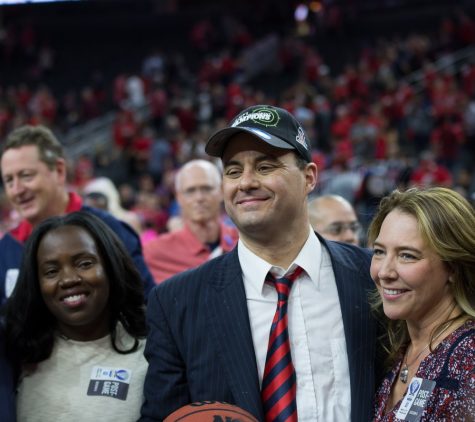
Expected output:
(352, 257)
(195, 276)
(346, 249)
(105, 216)
(7, 239)
(121, 228)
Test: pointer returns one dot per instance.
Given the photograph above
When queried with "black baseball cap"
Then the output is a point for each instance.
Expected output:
(273, 125)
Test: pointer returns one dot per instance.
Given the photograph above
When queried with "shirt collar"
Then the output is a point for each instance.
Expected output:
(197, 247)
(255, 269)
(192, 242)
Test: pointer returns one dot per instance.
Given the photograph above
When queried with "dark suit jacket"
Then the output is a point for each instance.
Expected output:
(7, 390)
(200, 344)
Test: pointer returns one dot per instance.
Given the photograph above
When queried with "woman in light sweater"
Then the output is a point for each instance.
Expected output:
(75, 325)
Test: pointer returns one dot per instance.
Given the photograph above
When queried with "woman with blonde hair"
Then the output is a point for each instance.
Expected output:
(424, 270)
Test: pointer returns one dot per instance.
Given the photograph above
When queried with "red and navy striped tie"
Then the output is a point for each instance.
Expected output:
(279, 389)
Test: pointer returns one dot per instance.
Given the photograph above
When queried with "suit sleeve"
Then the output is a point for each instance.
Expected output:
(166, 384)
(133, 245)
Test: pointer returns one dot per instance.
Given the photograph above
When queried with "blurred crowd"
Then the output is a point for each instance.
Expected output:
(401, 113)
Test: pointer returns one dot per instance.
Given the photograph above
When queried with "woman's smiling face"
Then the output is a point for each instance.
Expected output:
(73, 283)
(411, 278)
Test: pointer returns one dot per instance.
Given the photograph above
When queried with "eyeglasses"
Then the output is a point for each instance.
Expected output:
(193, 190)
(339, 227)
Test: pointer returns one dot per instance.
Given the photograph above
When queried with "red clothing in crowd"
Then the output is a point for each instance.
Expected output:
(177, 251)
(431, 174)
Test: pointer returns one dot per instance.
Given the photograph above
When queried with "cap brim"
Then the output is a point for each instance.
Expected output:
(217, 142)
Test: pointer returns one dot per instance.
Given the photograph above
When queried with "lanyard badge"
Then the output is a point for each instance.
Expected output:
(415, 400)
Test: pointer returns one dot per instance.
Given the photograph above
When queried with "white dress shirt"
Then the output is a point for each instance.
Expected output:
(317, 339)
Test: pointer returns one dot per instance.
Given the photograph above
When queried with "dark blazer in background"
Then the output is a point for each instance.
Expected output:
(200, 344)
(7, 389)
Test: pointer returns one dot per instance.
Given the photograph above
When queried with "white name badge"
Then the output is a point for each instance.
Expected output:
(109, 382)
(415, 400)
(11, 278)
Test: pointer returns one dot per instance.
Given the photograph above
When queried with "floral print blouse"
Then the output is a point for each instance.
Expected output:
(452, 366)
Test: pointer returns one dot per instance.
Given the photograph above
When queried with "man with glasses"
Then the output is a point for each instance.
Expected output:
(203, 235)
(334, 218)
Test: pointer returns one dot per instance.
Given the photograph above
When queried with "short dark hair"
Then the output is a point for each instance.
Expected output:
(49, 148)
(30, 326)
(300, 161)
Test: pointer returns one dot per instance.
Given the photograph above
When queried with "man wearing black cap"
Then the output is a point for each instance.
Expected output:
(279, 326)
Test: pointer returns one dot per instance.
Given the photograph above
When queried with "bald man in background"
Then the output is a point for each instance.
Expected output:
(203, 234)
(334, 218)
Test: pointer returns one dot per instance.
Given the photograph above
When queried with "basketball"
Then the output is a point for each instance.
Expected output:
(212, 411)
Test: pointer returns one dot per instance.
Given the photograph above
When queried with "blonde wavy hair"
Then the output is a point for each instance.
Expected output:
(446, 222)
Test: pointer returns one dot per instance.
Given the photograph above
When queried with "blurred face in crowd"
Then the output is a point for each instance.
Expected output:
(335, 219)
(264, 189)
(73, 283)
(198, 189)
(411, 278)
(35, 190)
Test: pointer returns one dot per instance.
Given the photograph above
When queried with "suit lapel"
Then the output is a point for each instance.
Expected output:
(359, 331)
(346, 293)
(229, 322)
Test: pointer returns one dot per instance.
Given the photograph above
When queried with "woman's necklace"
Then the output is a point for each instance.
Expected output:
(405, 368)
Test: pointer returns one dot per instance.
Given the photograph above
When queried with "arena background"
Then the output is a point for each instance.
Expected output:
(385, 89)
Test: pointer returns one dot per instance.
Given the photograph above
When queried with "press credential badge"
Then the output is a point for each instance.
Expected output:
(415, 400)
(109, 382)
